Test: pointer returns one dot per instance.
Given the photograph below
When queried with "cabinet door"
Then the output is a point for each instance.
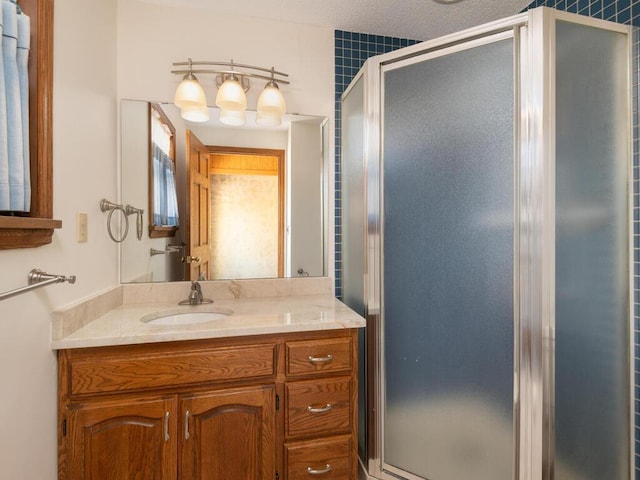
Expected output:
(127, 439)
(228, 435)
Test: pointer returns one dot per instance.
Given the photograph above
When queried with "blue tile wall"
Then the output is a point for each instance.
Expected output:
(621, 11)
(626, 12)
(351, 51)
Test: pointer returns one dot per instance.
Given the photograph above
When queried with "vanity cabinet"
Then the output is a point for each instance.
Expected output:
(320, 413)
(245, 408)
(228, 434)
(126, 437)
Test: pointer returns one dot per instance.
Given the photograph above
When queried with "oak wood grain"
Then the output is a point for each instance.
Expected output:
(330, 398)
(298, 353)
(229, 387)
(228, 434)
(119, 440)
(336, 452)
(120, 373)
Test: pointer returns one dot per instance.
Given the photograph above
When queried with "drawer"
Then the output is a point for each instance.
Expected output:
(318, 407)
(319, 356)
(325, 459)
(115, 372)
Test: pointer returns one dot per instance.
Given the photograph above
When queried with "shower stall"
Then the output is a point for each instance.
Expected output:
(487, 211)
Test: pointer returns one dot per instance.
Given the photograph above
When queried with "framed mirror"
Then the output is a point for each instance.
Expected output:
(251, 200)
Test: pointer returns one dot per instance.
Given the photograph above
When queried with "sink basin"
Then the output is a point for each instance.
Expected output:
(184, 318)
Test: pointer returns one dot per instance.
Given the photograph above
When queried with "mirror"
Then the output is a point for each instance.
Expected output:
(251, 199)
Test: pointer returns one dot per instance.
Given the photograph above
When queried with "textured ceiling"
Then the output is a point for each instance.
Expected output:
(415, 19)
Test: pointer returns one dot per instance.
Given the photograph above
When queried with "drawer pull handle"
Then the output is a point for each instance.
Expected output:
(326, 408)
(320, 471)
(166, 426)
(325, 359)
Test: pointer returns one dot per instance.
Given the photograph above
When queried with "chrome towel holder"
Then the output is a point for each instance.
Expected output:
(107, 206)
(37, 278)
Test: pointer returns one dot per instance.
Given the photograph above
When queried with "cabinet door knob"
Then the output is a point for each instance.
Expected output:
(319, 471)
(324, 359)
(326, 408)
(186, 425)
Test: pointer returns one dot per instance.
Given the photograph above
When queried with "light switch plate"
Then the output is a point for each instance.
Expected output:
(81, 227)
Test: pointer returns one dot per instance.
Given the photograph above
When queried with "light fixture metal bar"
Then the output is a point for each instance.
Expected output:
(230, 72)
(229, 64)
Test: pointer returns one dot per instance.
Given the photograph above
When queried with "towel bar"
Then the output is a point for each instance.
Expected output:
(37, 279)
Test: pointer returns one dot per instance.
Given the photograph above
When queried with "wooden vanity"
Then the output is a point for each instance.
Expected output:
(274, 406)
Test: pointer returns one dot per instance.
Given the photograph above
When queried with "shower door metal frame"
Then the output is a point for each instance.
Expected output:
(534, 233)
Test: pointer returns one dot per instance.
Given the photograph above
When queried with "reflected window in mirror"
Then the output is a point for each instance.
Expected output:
(163, 199)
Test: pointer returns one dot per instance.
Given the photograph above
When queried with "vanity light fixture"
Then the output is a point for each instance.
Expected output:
(232, 117)
(189, 93)
(195, 114)
(271, 104)
(231, 97)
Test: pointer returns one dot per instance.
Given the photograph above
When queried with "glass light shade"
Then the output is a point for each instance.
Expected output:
(268, 119)
(195, 114)
(232, 117)
(271, 100)
(271, 106)
(231, 96)
(190, 93)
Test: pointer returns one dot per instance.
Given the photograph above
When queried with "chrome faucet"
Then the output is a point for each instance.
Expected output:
(195, 296)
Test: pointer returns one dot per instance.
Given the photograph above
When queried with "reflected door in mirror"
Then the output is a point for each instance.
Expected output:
(198, 257)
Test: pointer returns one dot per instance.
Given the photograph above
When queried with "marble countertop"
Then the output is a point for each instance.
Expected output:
(122, 325)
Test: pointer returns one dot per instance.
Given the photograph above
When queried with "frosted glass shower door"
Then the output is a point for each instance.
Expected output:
(592, 427)
(353, 238)
(448, 264)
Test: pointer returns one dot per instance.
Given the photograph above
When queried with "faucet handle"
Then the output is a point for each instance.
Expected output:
(195, 295)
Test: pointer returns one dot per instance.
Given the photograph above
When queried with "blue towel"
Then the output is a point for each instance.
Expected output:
(4, 155)
(14, 114)
(24, 42)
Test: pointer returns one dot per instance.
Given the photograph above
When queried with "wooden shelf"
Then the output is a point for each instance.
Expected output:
(26, 232)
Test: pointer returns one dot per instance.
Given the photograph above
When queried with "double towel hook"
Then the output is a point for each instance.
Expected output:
(107, 206)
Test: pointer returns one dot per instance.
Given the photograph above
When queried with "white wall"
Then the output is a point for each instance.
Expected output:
(235, 137)
(84, 171)
(305, 226)
(152, 37)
